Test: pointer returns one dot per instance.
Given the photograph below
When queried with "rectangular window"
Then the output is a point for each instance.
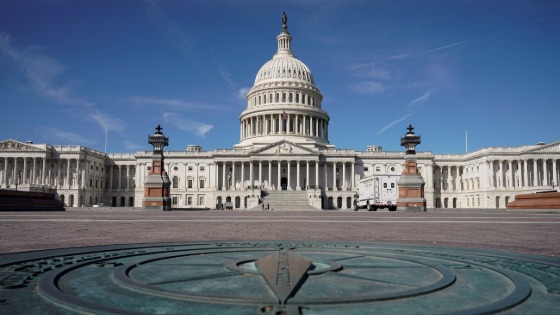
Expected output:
(202, 168)
(174, 200)
(189, 183)
(201, 200)
(366, 169)
(384, 185)
(392, 185)
(190, 168)
(378, 169)
(201, 183)
(189, 200)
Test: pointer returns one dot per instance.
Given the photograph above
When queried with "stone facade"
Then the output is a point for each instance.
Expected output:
(284, 145)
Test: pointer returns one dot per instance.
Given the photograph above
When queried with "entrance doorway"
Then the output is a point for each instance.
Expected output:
(284, 183)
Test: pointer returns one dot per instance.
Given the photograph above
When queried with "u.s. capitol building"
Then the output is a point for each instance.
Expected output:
(283, 159)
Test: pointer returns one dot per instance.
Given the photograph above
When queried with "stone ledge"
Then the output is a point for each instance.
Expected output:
(546, 200)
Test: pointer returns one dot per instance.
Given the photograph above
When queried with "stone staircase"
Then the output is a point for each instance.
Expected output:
(287, 200)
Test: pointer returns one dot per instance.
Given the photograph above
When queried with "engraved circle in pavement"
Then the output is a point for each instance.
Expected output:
(337, 277)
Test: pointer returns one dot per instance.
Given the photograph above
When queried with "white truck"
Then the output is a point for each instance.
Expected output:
(377, 191)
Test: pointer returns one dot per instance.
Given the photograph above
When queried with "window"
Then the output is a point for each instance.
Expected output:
(392, 185)
(201, 183)
(175, 182)
(365, 169)
(190, 168)
(189, 183)
(174, 200)
(175, 168)
(378, 169)
(189, 200)
(201, 200)
(392, 169)
(384, 185)
(202, 168)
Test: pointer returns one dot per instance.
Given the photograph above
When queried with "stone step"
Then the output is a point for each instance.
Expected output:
(287, 200)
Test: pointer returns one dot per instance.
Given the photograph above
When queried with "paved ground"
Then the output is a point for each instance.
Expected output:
(535, 232)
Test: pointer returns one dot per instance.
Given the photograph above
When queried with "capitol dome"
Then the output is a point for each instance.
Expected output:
(284, 104)
(284, 66)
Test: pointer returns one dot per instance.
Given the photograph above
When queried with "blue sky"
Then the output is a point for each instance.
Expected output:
(71, 70)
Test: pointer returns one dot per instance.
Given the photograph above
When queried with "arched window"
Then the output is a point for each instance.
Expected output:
(283, 97)
(290, 98)
(62, 199)
(259, 100)
(277, 98)
(175, 182)
(297, 97)
(131, 201)
(122, 202)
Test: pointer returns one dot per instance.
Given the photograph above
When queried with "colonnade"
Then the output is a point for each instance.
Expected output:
(22, 171)
(284, 175)
(284, 123)
(518, 173)
(284, 98)
(125, 179)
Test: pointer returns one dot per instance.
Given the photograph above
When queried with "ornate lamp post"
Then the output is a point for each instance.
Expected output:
(157, 184)
(411, 184)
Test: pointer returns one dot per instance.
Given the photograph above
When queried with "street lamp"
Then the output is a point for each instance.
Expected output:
(17, 181)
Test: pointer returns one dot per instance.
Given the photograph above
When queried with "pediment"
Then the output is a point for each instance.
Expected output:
(283, 148)
(12, 145)
(547, 148)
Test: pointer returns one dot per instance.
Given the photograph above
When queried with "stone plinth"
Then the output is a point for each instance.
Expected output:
(11, 200)
(157, 194)
(411, 188)
(545, 200)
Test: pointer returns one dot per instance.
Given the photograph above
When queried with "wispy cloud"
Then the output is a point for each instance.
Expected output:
(368, 87)
(187, 125)
(108, 122)
(412, 54)
(226, 76)
(131, 146)
(173, 31)
(41, 71)
(242, 92)
(175, 104)
(393, 123)
(421, 99)
(65, 137)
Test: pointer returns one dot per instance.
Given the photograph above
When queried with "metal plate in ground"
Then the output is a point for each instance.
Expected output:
(277, 278)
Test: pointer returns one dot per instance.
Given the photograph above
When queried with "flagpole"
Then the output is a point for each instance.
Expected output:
(466, 142)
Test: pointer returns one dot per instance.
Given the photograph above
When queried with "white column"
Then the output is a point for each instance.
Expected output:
(68, 173)
(242, 175)
(127, 181)
(251, 177)
(15, 176)
(316, 174)
(224, 179)
(260, 173)
(24, 177)
(303, 131)
(233, 175)
(343, 175)
(119, 178)
(43, 172)
(289, 176)
(77, 173)
(111, 169)
(269, 174)
(525, 174)
(306, 174)
(4, 178)
(554, 172)
(279, 174)
(34, 172)
(334, 176)
(58, 173)
(545, 172)
(325, 177)
(298, 182)
(535, 173)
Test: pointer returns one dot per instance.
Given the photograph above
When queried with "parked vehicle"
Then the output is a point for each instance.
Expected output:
(377, 191)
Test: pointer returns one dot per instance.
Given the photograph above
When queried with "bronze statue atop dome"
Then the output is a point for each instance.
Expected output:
(284, 21)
